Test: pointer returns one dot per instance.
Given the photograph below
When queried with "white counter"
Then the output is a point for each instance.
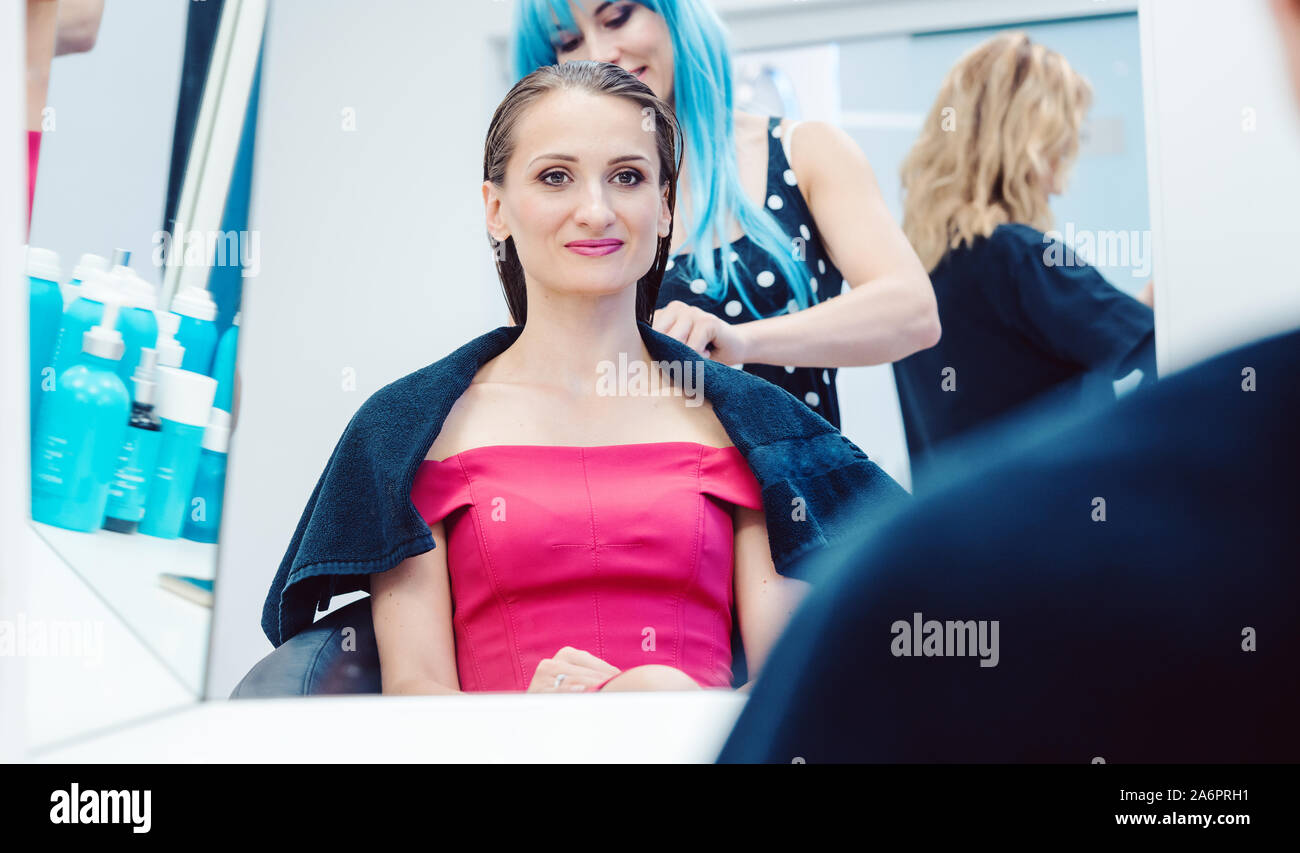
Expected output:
(611, 727)
(123, 570)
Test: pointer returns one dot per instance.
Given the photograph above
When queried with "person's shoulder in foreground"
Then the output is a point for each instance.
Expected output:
(1123, 588)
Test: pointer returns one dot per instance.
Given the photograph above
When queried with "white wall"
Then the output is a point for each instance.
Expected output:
(1223, 195)
(374, 257)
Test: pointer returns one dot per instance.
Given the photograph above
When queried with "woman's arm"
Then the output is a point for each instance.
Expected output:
(764, 599)
(411, 604)
(1071, 311)
(890, 310)
(42, 25)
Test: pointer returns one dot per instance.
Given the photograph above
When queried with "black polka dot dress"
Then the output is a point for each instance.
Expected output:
(765, 286)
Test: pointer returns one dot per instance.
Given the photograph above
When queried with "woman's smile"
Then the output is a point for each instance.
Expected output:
(594, 248)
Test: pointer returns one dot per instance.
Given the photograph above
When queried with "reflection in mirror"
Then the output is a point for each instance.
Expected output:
(137, 252)
(1090, 333)
(839, 98)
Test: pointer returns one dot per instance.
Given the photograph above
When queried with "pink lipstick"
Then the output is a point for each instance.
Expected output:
(594, 248)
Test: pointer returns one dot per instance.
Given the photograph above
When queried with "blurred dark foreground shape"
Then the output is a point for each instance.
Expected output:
(1167, 632)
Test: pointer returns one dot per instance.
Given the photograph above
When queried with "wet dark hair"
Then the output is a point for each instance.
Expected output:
(599, 78)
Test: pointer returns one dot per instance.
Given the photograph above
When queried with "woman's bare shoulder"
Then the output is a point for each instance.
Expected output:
(475, 419)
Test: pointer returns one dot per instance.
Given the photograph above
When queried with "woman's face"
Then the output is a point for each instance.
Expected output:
(581, 194)
(625, 34)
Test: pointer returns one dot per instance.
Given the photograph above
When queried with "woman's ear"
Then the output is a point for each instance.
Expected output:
(496, 225)
(665, 213)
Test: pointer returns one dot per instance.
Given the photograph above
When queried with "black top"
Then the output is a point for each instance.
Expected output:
(767, 289)
(1122, 636)
(1018, 326)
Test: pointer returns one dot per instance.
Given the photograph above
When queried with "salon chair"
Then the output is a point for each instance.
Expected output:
(315, 662)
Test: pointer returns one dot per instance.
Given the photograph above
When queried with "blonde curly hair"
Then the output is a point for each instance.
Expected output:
(1006, 121)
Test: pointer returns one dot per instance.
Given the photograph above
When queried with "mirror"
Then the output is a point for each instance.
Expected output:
(138, 252)
(384, 160)
(879, 87)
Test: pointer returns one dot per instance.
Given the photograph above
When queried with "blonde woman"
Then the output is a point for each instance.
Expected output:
(1023, 316)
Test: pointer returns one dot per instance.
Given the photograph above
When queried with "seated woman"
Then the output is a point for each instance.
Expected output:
(1025, 321)
(578, 538)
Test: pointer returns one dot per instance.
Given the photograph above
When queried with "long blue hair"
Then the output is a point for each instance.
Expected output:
(702, 100)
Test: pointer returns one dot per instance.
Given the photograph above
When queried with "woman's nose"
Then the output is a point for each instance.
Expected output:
(595, 210)
(605, 48)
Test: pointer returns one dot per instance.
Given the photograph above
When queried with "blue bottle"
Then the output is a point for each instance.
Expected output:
(223, 369)
(139, 456)
(97, 284)
(45, 315)
(84, 312)
(203, 519)
(184, 408)
(80, 273)
(138, 323)
(198, 329)
(80, 433)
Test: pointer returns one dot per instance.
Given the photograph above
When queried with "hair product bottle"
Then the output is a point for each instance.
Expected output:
(170, 352)
(45, 307)
(85, 311)
(198, 329)
(80, 273)
(184, 407)
(203, 519)
(223, 369)
(80, 433)
(138, 323)
(139, 456)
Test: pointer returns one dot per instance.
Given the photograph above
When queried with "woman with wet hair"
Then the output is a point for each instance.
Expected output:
(528, 513)
(787, 260)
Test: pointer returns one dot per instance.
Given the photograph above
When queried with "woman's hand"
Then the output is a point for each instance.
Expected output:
(699, 330)
(581, 671)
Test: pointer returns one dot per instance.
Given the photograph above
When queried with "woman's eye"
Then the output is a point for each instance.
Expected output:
(567, 45)
(620, 17)
(546, 178)
(634, 175)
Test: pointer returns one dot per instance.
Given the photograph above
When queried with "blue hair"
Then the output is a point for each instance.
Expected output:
(702, 100)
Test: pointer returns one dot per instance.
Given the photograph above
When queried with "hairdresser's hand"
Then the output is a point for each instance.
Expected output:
(582, 672)
(703, 332)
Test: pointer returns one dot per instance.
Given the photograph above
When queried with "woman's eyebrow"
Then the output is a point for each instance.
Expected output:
(571, 159)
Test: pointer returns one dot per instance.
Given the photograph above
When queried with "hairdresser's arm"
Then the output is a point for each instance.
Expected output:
(42, 25)
(890, 311)
(764, 599)
(411, 603)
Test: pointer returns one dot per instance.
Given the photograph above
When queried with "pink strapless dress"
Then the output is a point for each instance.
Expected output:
(624, 551)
